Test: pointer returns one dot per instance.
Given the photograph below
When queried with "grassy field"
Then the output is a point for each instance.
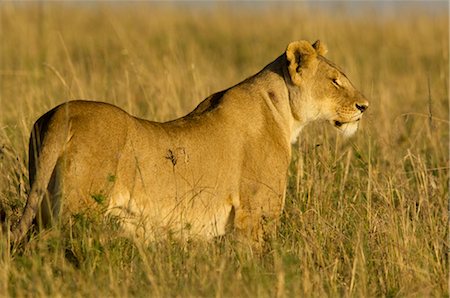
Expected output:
(365, 217)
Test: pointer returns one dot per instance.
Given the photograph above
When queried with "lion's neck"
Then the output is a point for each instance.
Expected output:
(267, 92)
(278, 70)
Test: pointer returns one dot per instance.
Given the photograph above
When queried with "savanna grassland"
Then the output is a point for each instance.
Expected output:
(363, 217)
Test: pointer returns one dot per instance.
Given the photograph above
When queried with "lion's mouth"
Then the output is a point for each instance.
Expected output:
(347, 128)
(338, 123)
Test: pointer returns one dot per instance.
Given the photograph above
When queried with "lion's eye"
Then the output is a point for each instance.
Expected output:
(336, 83)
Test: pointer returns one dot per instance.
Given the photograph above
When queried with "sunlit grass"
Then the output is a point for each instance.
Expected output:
(366, 217)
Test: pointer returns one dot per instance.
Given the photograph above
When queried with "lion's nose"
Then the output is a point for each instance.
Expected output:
(362, 106)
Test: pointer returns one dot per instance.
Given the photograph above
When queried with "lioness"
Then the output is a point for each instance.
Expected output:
(223, 167)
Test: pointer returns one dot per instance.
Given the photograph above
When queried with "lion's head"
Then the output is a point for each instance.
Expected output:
(321, 90)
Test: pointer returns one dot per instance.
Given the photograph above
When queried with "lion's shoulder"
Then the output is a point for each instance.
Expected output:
(209, 104)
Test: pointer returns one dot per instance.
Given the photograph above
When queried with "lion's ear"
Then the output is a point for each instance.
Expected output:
(299, 54)
(320, 48)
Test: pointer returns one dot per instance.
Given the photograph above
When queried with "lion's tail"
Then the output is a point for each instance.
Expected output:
(45, 147)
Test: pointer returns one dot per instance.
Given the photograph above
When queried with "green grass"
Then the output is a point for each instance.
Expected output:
(365, 217)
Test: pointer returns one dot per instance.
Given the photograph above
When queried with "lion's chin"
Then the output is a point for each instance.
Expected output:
(347, 129)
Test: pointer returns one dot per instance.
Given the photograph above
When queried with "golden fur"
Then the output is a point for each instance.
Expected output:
(221, 168)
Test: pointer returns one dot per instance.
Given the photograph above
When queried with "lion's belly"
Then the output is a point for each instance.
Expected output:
(198, 217)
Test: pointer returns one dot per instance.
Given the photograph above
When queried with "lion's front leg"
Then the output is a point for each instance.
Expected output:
(248, 226)
(257, 217)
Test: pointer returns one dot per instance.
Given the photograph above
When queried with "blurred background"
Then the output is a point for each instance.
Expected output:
(364, 217)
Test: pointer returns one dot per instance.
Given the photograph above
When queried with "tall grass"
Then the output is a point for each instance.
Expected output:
(365, 217)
